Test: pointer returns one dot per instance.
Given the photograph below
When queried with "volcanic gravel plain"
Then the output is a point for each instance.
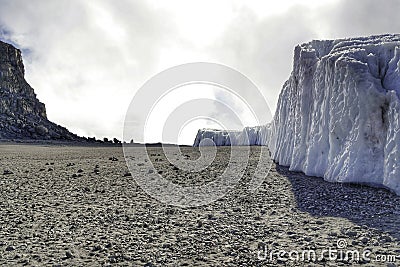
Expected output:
(80, 206)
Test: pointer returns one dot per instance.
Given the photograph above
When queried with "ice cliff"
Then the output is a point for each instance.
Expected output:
(338, 113)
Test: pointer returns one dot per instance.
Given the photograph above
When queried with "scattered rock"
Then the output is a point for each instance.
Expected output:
(385, 239)
(109, 216)
(352, 233)
(10, 248)
(68, 255)
(97, 248)
(364, 240)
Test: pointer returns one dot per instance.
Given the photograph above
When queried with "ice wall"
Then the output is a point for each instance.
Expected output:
(338, 113)
(248, 136)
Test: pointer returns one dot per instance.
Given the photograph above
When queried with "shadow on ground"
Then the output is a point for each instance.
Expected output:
(372, 207)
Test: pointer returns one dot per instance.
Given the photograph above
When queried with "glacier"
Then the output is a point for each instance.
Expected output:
(337, 115)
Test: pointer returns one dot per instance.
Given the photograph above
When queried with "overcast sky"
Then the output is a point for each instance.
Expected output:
(86, 59)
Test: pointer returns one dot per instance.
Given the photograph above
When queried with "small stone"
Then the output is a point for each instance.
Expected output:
(97, 248)
(351, 233)
(68, 255)
(166, 245)
(80, 171)
(10, 248)
(112, 259)
(7, 172)
(127, 174)
(386, 239)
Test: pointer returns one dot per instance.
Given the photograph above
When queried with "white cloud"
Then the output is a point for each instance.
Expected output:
(86, 59)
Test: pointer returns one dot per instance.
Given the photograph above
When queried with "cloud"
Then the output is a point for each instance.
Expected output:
(361, 17)
(86, 58)
(262, 47)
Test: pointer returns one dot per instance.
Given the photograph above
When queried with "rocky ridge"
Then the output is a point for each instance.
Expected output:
(22, 115)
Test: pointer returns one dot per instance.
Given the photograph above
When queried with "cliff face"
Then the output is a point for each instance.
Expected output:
(338, 115)
(22, 115)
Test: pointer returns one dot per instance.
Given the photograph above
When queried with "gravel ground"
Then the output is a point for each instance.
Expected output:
(70, 206)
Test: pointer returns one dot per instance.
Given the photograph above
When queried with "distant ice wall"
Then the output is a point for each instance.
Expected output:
(248, 136)
(338, 113)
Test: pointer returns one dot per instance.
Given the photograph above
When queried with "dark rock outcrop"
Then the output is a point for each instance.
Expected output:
(22, 115)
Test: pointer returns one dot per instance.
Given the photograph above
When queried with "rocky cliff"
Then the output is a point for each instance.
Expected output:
(22, 115)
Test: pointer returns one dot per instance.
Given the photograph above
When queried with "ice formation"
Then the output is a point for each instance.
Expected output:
(248, 136)
(338, 113)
